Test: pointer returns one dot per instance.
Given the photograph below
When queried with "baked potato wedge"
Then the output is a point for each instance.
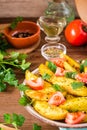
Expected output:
(49, 111)
(72, 62)
(66, 84)
(63, 82)
(75, 104)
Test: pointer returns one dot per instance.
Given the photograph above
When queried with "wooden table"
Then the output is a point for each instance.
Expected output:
(9, 99)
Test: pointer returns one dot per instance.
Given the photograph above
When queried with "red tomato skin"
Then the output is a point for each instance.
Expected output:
(58, 62)
(75, 118)
(35, 84)
(56, 99)
(74, 33)
(82, 77)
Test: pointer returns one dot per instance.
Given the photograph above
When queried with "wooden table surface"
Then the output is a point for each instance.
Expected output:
(9, 99)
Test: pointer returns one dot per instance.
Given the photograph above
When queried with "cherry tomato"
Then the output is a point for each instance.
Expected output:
(76, 32)
(75, 118)
(82, 77)
(58, 62)
(56, 99)
(37, 84)
(60, 71)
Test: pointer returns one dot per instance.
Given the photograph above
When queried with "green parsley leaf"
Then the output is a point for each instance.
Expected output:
(1, 56)
(22, 87)
(7, 74)
(57, 87)
(46, 76)
(36, 127)
(76, 85)
(82, 65)
(2, 86)
(17, 120)
(70, 74)
(52, 66)
(14, 119)
(3, 43)
(7, 118)
(15, 22)
(10, 78)
(24, 65)
(24, 101)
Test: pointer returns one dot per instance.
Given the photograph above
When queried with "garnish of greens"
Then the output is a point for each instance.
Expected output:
(15, 22)
(52, 66)
(3, 42)
(36, 127)
(13, 119)
(7, 66)
(76, 85)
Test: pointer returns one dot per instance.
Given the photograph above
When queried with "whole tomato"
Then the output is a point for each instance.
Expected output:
(76, 32)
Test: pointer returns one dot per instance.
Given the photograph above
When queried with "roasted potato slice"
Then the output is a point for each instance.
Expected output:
(43, 94)
(72, 62)
(75, 104)
(49, 111)
(65, 83)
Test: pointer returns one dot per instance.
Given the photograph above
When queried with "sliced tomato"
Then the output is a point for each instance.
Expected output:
(82, 77)
(60, 71)
(36, 84)
(75, 118)
(56, 99)
(58, 62)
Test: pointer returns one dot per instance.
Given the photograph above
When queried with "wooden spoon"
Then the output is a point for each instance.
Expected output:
(81, 6)
(6, 127)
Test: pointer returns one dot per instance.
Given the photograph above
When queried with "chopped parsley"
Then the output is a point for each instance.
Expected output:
(70, 74)
(52, 66)
(46, 76)
(82, 65)
(76, 85)
(57, 87)
(36, 127)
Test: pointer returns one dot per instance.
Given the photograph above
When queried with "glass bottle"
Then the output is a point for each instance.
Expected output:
(60, 8)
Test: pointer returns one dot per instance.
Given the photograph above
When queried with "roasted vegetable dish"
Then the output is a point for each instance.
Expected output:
(58, 91)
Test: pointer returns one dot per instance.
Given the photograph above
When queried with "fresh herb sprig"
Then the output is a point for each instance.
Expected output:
(15, 22)
(7, 75)
(13, 119)
(36, 127)
(3, 43)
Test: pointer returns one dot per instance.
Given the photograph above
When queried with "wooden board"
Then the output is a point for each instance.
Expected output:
(25, 50)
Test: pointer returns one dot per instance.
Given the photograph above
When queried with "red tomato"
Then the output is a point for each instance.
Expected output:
(82, 77)
(75, 118)
(58, 62)
(37, 84)
(60, 71)
(56, 99)
(76, 32)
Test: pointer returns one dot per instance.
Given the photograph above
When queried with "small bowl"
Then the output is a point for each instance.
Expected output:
(52, 50)
(23, 27)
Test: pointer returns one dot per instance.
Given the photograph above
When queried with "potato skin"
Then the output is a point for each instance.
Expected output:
(75, 104)
(65, 84)
(49, 111)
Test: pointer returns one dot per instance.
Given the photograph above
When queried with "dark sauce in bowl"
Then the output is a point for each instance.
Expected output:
(22, 34)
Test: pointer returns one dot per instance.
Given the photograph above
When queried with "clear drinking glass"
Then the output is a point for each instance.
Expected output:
(52, 27)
